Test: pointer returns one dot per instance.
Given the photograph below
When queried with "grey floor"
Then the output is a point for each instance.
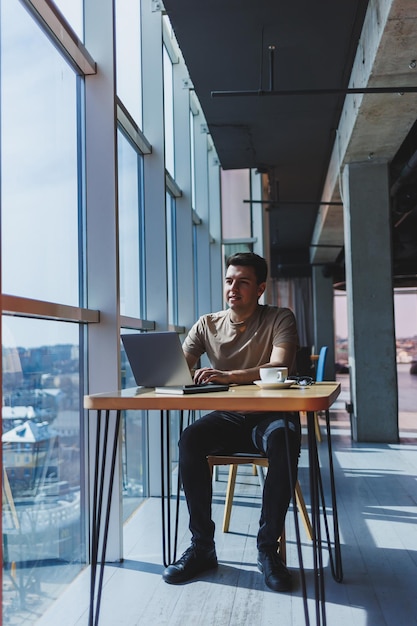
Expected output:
(376, 494)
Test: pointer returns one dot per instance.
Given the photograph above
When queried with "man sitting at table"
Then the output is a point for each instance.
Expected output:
(238, 341)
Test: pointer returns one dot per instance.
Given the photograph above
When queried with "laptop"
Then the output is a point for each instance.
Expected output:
(157, 360)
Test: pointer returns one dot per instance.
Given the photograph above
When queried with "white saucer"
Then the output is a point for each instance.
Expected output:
(264, 385)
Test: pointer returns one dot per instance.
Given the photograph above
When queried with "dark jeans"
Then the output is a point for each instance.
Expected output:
(227, 433)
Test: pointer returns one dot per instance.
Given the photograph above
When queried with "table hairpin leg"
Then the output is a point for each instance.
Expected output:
(97, 533)
(336, 558)
(95, 515)
(169, 549)
(297, 528)
(165, 486)
(316, 526)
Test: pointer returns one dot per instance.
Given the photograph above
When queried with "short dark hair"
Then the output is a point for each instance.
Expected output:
(252, 260)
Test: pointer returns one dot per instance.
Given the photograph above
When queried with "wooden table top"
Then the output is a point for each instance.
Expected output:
(245, 398)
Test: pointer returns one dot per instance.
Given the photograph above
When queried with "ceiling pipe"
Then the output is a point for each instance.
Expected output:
(313, 92)
(271, 67)
(295, 202)
(304, 92)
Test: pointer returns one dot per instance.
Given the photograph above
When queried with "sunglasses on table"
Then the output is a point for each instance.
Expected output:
(303, 381)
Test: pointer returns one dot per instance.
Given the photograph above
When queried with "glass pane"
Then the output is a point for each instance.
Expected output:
(38, 163)
(172, 273)
(234, 248)
(168, 114)
(405, 308)
(192, 159)
(236, 214)
(73, 10)
(196, 268)
(131, 268)
(128, 57)
(134, 448)
(43, 538)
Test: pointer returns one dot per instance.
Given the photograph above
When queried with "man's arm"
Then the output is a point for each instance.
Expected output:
(281, 356)
(190, 358)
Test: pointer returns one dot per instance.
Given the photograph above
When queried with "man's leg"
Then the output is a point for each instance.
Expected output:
(216, 433)
(271, 438)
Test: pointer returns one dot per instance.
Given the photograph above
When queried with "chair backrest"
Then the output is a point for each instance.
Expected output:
(321, 364)
(303, 364)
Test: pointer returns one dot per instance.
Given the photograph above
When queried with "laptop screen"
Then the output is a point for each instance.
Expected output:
(156, 359)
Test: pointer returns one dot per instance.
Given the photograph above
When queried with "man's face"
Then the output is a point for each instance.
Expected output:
(241, 290)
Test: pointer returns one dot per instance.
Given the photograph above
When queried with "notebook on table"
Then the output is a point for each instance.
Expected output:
(157, 360)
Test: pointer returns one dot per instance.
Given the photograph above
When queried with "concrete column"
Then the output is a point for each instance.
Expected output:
(371, 329)
(323, 318)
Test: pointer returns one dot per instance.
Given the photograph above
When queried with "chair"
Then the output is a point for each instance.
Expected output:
(321, 363)
(259, 461)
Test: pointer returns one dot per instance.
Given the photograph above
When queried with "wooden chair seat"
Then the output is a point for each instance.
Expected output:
(260, 461)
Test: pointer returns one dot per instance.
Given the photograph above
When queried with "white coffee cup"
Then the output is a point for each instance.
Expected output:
(273, 374)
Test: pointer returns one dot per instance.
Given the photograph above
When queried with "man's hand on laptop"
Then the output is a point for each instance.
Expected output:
(225, 377)
(209, 375)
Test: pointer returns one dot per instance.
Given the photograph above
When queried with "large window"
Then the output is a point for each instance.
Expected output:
(192, 160)
(237, 219)
(129, 57)
(44, 538)
(39, 194)
(134, 449)
(168, 113)
(132, 297)
(131, 267)
(96, 239)
(172, 263)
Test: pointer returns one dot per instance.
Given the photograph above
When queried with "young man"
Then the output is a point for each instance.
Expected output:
(238, 341)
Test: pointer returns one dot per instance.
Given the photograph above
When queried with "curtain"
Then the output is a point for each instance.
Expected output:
(296, 294)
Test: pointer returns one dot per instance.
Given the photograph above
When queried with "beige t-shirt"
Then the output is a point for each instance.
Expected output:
(242, 345)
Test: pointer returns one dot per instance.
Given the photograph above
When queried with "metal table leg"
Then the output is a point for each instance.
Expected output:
(336, 556)
(297, 529)
(314, 467)
(317, 499)
(169, 542)
(99, 533)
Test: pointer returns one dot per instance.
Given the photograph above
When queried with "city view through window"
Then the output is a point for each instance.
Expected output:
(405, 327)
(405, 309)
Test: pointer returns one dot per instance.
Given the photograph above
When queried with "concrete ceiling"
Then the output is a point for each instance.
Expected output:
(301, 141)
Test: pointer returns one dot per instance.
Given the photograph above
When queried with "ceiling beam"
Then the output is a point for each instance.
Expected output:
(371, 127)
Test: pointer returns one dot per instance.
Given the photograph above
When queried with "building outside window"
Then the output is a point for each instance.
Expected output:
(43, 531)
(43, 538)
